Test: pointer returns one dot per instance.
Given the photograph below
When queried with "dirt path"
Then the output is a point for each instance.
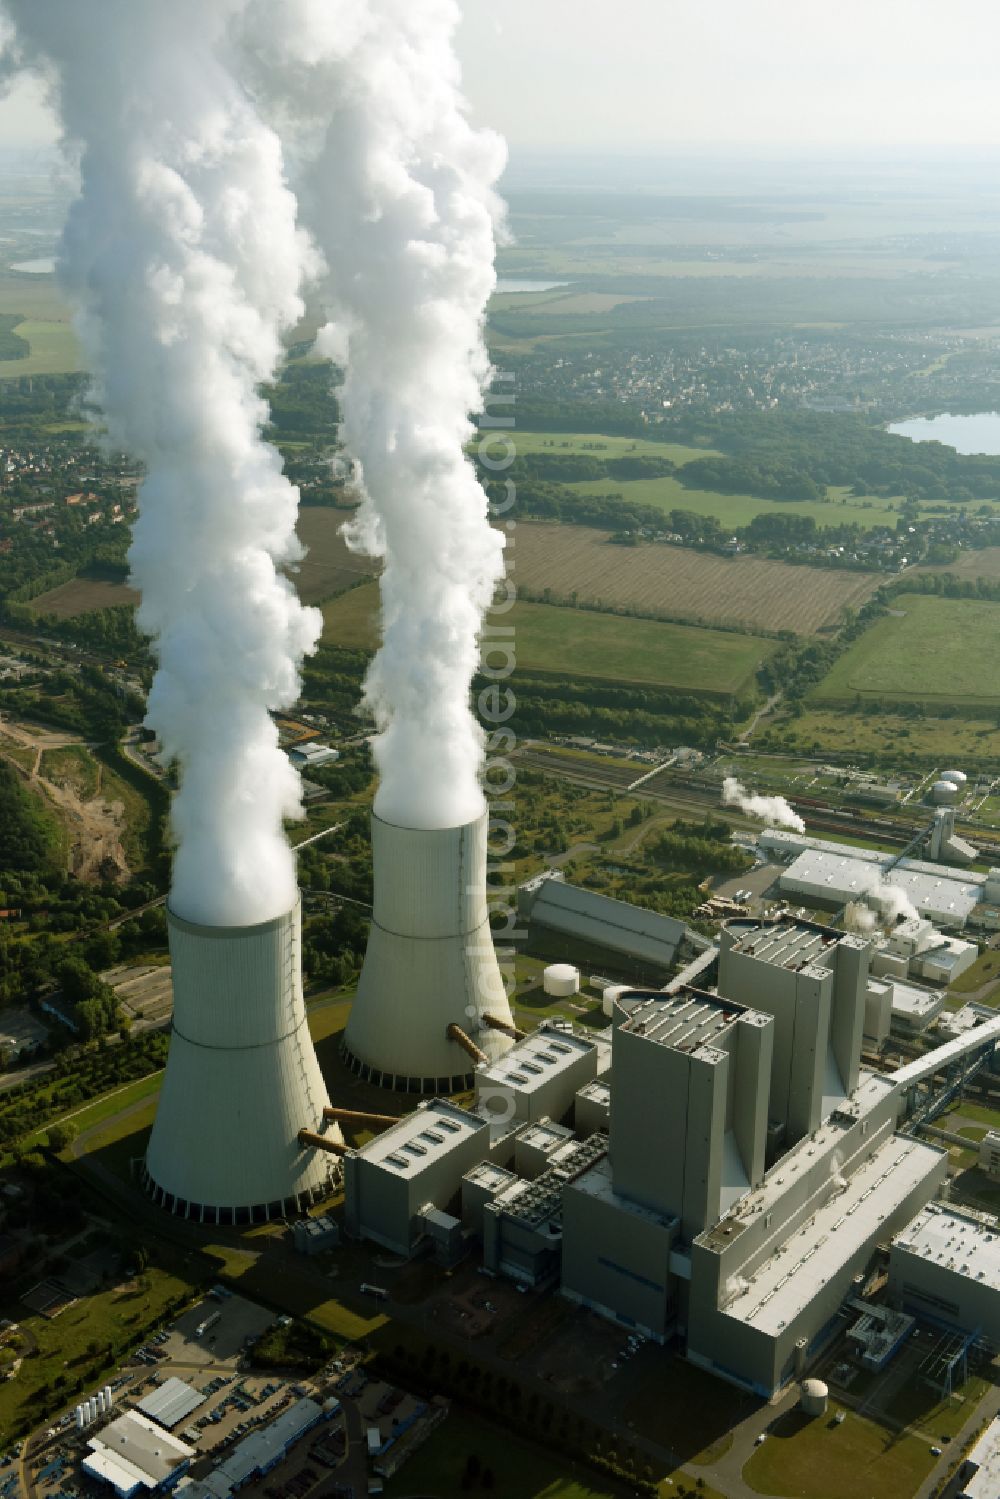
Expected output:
(95, 826)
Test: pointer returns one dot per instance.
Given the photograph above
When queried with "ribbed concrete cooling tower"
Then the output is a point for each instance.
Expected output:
(242, 1078)
(430, 977)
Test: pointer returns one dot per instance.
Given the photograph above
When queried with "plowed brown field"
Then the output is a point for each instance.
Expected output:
(682, 584)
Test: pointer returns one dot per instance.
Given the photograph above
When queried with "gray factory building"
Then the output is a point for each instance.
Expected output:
(415, 1164)
(683, 1228)
(523, 1224)
(539, 1077)
(580, 923)
(945, 1266)
(592, 1109)
(813, 981)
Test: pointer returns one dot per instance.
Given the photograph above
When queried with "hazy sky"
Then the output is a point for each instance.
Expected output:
(621, 73)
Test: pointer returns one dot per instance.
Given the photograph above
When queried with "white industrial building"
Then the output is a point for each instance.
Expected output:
(242, 1078)
(979, 1476)
(914, 1010)
(945, 1266)
(539, 1077)
(431, 983)
(171, 1402)
(989, 1153)
(393, 1180)
(133, 1455)
(311, 756)
(955, 1023)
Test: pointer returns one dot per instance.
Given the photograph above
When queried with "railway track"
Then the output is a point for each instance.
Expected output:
(688, 791)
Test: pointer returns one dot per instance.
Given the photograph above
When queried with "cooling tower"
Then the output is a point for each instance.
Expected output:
(241, 1079)
(430, 976)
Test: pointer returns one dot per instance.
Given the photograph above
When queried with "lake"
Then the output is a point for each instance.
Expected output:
(968, 434)
(512, 284)
(43, 267)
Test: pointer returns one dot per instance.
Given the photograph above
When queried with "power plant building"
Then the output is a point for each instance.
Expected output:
(945, 1268)
(539, 1077)
(573, 921)
(242, 1078)
(749, 1261)
(416, 1164)
(431, 982)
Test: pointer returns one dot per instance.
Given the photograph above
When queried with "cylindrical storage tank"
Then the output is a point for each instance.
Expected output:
(560, 980)
(241, 1079)
(430, 961)
(91, 1410)
(956, 777)
(813, 1397)
(109, 1397)
(100, 1402)
(609, 996)
(81, 1419)
(943, 793)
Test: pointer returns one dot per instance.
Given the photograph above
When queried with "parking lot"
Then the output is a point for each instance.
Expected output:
(233, 1323)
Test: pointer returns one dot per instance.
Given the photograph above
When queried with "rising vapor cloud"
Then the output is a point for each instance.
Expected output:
(397, 189)
(184, 262)
(773, 810)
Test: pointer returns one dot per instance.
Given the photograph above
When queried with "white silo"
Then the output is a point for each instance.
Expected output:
(241, 1080)
(560, 980)
(81, 1419)
(943, 793)
(956, 777)
(101, 1403)
(431, 983)
(109, 1397)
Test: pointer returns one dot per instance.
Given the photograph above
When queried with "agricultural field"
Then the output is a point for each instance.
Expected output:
(595, 445)
(668, 493)
(984, 563)
(681, 583)
(45, 325)
(329, 567)
(928, 650)
(81, 596)
(892, 739)
(582, 643)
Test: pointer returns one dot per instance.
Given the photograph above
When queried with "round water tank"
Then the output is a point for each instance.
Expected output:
(944, 792)
(813, 1396)
(609, 996)
(957, 777)
(560, 980)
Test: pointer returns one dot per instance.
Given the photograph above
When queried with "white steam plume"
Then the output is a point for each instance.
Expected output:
(184, 262)
(884, 906)
(397, 189)
(770, 809)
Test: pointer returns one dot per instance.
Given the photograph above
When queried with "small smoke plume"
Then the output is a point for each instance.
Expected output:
(770, 809)
(883, 907)
(397, 189)
(183, 259)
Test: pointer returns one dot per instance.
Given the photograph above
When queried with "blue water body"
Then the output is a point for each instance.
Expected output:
(42, 267)
(967, 434)
(512, 284)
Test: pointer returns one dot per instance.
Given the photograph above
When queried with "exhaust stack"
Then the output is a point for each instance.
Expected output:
(430, 963)
(242, 1079)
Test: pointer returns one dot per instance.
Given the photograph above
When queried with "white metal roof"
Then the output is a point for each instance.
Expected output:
(831, 874)
(985, 1482)
(954, 1241)
(913, 1003)
(422, 1136)
(785, 1284)
(535, 1060)
(133, 1451)
(171, 1402)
